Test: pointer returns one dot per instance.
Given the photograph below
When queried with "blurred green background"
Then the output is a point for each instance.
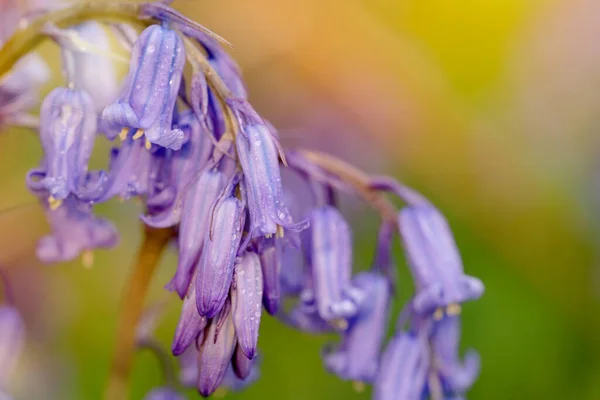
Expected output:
(491, 108)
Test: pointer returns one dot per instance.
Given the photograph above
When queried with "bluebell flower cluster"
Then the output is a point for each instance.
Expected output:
(205, 164)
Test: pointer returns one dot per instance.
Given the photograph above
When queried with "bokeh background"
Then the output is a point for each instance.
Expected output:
(491, 108)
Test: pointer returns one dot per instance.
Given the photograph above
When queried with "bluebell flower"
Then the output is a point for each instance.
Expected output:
(198, 203)
(19, 91)
(67, 133)
(190, 325)
(215, 351)
(270, 261)
(75, 230)
(404, 368)
(435, 263)
(150, 91)
(257, 150)
(164, 393)
(246, 300)
(12, 330)
(215, 268)
(456, 376)
(357, 357)
(181, 168)
(242, 365)
(331, 263)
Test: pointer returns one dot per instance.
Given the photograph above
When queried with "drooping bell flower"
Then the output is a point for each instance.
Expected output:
(12, 330)
(75, 230)
(246, 301)
(129, 174)
(221, 244)
(190, 325)
(270, 261)
(242, 365)
(331, 263)
(257, 150)
(403, 370)
(215, 351)
(435, 263)
(198, 203)
(180, 170)
(456, 376)
(357, 357)
(150, 90)
(164, 393)
(67, 133)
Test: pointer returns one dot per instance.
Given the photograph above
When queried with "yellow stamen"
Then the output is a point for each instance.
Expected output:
(280, 232)
(53, 203)
(453, 309)
(87, 259)
(268, 236)
(340, 324)
(148, 144)
(123, 134)
(438, 314)
(138, 134)
(358, 386)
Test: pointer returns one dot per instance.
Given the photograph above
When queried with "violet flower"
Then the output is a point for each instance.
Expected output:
(404, 368)
(67, 133)
(456, 376)
(164, 393)
(434, 261)
(259, 158)
(357, 358)
(74, 230)
(215, 351)
(180, 170)
(190, 325)
(215, 268)
(151, 88)
(331, 263)
(246, 300)
(11, 341)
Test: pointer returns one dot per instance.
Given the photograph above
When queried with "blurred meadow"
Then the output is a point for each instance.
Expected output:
(491, 108)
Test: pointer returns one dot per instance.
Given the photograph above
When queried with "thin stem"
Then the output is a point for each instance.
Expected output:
(154, 242)
(357, 179)
(164, 360)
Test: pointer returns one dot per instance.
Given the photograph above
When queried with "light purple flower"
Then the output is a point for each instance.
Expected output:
(242, 365)
(150, 90)
(258, 155)
(456, 376)
(215, 351)
(12, 331)
(198, 202)
(75, 229)
(403, 370)
(357, 358)
(215, 268)
(181, 168)
(164, 393)
(67, 133)
(270, 261)
(190, 325)
(246, 300)
(331, 263)
(434, 261)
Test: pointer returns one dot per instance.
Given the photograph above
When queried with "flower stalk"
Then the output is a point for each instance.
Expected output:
(154, 242)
